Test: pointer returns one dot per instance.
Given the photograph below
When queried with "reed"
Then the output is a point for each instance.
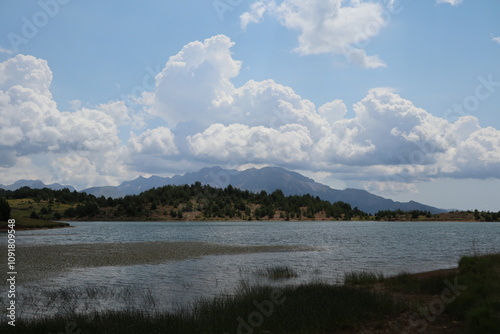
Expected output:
(278, 273)
(306, 308)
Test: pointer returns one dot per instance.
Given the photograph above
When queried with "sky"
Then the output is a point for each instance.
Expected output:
(397, 97)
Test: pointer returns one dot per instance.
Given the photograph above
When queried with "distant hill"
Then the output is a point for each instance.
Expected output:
(267, 179)
(35, 184)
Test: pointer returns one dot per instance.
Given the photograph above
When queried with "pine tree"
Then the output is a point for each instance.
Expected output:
(4, 210)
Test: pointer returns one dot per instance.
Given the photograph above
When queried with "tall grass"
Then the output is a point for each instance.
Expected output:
(362, 278)
(278, 273)
(308, 308)
(305, 308)
(479, 303)
(476, 287)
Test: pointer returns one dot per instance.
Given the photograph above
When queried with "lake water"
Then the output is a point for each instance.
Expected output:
(339, 247)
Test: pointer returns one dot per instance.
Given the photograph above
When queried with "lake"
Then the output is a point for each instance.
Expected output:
(335, 248)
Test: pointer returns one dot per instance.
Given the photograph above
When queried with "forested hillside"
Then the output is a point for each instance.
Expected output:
(188, 202)
(37, 207)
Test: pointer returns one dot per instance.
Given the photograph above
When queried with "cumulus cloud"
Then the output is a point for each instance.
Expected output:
(31, 124)
(118, 110)
(265, 122)
(85, 169)
(200, 117)
(267, 103)
(496, 39)
(159, 141)
(327, 27)
(28, 72)
(238, 142)
(191, 80)
(195, 88)
(386, 129)
(31, 116)
(333, 111)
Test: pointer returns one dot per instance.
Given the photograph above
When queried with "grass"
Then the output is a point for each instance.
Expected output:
(21, 210)
(362, 278)
(308, 308)
(479, 303)
(278, 273)
(474, 291)
(411, 284)
(293, 309)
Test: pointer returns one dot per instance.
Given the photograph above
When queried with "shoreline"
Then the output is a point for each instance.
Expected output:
(24, 228)
(270, 220)
(4, 230)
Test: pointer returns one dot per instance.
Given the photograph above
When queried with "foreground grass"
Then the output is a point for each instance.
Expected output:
(278, 273)
(311, 308)
(362, 278)
(469, 297)
(479, 304)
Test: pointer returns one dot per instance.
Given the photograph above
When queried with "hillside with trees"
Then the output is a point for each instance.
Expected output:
(196, 202)
(187, 202)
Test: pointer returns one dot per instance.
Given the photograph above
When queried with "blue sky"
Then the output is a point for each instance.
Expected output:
(401, 98)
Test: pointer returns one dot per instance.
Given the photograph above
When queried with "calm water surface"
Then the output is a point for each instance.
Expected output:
(387, 247)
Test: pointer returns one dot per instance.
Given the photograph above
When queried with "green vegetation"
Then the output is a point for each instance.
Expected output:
(466, 300)
(278, 273)
(32, 213)
(363, 278)
(309, 308)
(4, 209)
(39, 207)
(469, 295)
(479, 304)
(402, 215)
(188, 202)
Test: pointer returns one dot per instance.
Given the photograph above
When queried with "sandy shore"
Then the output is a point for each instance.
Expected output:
(39, 262)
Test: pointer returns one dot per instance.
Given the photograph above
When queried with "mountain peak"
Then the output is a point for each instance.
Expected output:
(35, 184)
(268, 179)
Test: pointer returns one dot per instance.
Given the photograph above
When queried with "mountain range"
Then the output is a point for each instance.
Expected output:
(255, 180)
(35, 184)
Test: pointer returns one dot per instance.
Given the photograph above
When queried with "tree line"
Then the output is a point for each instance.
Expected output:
(200, 202)
(178, 201)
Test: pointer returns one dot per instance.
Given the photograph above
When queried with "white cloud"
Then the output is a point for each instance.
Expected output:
(327, 27)
(195, 88)
(31, 124)
(26, 71)
(118, 110)
(386, 129)
(159, 141)
(33, 121)
(86, 169)
(333, 111)
(238, 142)
(199, 74)
(496, 39)
(387, 145)
(390, 188)
(450, 2)
(270, 104)
(254, 124)
(256, 13)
